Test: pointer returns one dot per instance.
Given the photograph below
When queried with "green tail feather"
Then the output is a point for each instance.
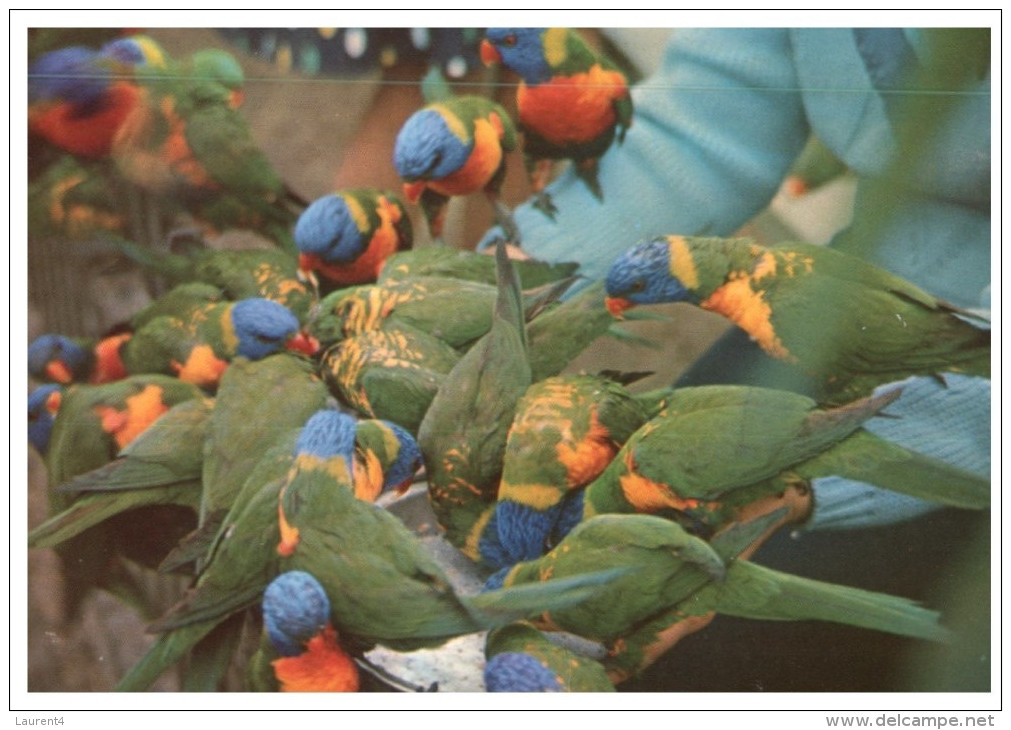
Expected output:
(866, 458)
(166, 652)
(505, 605)
(751, 591)
(509, 304)
(93, 509)
(212, 656)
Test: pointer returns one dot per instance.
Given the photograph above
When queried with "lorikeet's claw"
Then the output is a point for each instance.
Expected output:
(587, 172)
(543, 203)
(504, 218)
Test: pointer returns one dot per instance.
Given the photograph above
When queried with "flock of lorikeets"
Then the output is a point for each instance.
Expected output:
(239, 428)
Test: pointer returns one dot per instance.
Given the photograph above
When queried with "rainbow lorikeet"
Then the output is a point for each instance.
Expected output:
(198, 349)
(345, 237)
(675, 575)
(717, 451)
(453, 147)
(847, 324)
(392, 373)
(307, 656)
(185, 140)
(93, 424)
(161, 466)
(566, 431)
(456, 311)
(79, 98)
(463, 434)
(241, 556)
(388, 590)
(523, 659)
(572, 101)
(75, 198)
(54, 358)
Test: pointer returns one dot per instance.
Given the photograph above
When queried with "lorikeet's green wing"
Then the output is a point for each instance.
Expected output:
(664, 565)
(244, 273)
(160, 467)
(563, 331)
(169, 451)
(874, 327)
(454, 263)
(711, 440)
(463, 434)
(566, 671)
(248, 418)
(393, 373)
(180, 302)
(94, 422)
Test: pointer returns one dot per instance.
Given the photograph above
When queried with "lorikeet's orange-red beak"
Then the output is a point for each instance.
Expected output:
(304, 343)
(58, 372)
(53, 402)
(413, 191)
(489, 53)
(617, 306)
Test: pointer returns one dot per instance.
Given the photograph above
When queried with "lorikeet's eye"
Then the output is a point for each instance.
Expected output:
(509, 41)
(638, 285)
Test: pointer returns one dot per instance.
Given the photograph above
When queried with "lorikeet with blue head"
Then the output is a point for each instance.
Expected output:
(572, 101)
(566, 431)
(675, 576)
(780, 444)
(389, 590)
(301, 647)
(43, 405)
(453, 147)
(198, 349)
(79, 97)
(521, 658)
(93, 424)
(346, 237)
(392, 373)
(240, 556)
(845, 324)
(54, 358)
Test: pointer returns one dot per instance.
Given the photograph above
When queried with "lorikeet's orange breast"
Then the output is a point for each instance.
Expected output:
(482, 164)
(323, 667)
(87, 135)
(141, 410)
(364, 269)
(571, 109)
